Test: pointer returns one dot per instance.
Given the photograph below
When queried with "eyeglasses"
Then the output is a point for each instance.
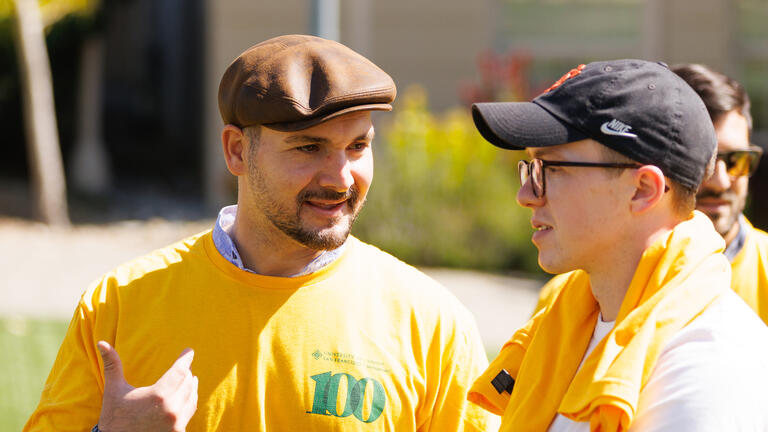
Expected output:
(534, 170)
(741, 162)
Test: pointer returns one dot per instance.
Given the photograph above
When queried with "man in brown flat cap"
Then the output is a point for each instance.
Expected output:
(295, 325)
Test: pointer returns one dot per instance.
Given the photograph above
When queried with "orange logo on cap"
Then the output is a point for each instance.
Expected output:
(571, 73)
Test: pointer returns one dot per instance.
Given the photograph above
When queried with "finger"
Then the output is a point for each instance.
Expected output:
(179, 396)
(190, 405)
(187, 388)
(178, 400)
(185, 359)
(113, 367)
(178, 372)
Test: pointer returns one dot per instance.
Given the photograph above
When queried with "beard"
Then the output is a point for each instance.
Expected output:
(288, 219)
(724, 222)
(329, 237)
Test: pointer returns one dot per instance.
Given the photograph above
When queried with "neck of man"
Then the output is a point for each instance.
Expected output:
(268, 251)
(610, 278)
(609, 285)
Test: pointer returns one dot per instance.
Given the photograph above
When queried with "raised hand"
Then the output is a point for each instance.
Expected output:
(167, 405)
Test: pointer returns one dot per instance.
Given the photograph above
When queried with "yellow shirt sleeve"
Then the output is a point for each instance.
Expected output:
(71, 398)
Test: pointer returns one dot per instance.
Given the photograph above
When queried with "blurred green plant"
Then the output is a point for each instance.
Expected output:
(443, 196)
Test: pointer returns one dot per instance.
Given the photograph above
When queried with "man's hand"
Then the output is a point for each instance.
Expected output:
(167, 405)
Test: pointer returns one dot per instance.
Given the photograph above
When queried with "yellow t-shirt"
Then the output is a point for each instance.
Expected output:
(750, 271)
(367, 343)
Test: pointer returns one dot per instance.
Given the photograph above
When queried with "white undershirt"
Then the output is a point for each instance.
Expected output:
(712, 376)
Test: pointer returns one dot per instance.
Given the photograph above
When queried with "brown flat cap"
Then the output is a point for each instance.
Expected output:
(293, 82)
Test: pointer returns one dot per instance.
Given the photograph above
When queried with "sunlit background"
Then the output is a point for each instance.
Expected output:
(134, 84)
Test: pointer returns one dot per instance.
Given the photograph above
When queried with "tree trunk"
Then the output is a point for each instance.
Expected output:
(90, 168)
(43, 149)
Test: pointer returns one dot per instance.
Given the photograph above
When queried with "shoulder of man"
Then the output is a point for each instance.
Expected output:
(401, 273)
(756, 241)
(694, 385)
(156, 263)
(759, 235)
(408, 282)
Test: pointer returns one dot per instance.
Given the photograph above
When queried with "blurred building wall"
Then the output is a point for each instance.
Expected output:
(692, 31)
(164, 59)
(436, 43)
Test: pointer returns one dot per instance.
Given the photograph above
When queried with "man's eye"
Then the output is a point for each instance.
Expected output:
(359, 146)
(309, 148)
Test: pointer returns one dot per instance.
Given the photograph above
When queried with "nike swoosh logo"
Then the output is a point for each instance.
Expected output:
(608, 131)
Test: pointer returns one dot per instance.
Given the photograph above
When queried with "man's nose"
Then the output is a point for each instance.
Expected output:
(720, 179)
(525, 196)
(336, 173)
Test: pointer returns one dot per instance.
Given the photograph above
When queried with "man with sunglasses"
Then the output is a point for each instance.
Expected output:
(643, 332)
(723, 195)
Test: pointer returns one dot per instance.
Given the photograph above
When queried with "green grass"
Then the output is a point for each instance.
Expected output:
(27, 350)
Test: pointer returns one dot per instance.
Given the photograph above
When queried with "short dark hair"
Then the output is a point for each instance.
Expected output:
(720, 93)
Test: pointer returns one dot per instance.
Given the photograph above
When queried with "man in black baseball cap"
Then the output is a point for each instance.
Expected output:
(643, 324)
(295, 324)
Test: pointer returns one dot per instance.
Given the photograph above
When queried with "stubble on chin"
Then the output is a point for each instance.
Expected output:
(289, 221)
(724, 221)
(332, 235)
(325, 238)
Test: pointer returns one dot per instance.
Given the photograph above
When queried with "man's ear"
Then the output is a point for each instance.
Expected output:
(233, 142)
(650, 185)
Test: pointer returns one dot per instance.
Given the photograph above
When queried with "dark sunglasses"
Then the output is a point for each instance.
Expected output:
(741, 163)
(534, 170)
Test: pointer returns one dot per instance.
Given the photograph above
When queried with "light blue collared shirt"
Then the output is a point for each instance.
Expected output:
(734, 248)
(222, 238)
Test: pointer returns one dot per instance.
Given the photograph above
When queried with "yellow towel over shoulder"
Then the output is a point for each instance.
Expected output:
(677, 278)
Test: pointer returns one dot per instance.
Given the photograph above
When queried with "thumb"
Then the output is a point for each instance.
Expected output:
(113, 368)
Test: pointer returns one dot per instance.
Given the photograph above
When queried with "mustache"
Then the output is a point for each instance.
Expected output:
(709, 193)
(352, 195)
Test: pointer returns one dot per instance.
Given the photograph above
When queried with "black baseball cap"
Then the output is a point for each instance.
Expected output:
(638, 108)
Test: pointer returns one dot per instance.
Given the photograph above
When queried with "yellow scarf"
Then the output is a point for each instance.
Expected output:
(677, 278)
